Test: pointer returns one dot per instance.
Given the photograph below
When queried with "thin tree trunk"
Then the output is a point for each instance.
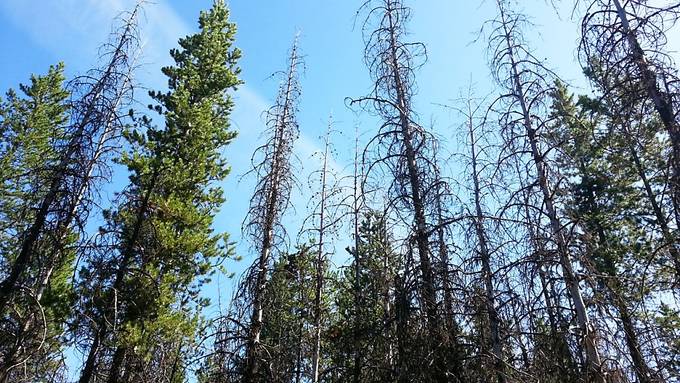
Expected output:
(271, 210)
(487, 273)
(252, 354)
(558, 333)
(127, 254)
(357, 266)
(642, 371)
(91, 361)
(402, 310)
(388, 324)
(593, 361)
(62, 230)
(21, 264)
(660, 100)
(320, 266)
(442, 253)
(117, 364)
(661, 218)
(175, 364)
(612, 288)
(298, 367)
(421, 233)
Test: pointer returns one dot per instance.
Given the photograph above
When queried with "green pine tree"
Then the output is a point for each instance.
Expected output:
(363, 345)
(158, 246)
(33, 129)
(603, 196)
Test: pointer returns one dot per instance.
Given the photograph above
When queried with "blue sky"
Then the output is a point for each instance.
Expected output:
(37, 33)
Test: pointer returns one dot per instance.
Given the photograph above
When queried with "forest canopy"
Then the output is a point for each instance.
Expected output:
(532, 237)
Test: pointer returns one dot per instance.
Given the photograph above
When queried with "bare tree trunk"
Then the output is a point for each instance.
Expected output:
(660, 100)
(252, 358)
(117, 364)
(80, 135)
(613, 287)
(273, 187)
(102, 323)
(442, 250)
(298, 362)
(642, 371)
(91, 361)
(63, 226)
(99, 120)
(660, 216)
(558, 337)
(356, 216)
(390, 62)
(175, 364)
(487, 273)
(421, 232)
(593, 361)
(320, 263)
(402, 309)
(388, 323)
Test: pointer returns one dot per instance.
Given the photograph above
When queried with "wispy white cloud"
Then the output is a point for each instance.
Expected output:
(72, 30)
(52, 23)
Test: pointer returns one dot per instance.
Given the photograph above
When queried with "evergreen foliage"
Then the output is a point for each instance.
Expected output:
(553, 257)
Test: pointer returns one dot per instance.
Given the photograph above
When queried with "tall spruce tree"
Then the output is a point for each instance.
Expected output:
(141, 285)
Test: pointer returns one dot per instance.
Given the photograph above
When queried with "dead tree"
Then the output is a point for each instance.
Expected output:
(403, 148)
(98, 103)
(443, 243)
(322, 225)
(560, 360)
(97, 117)
(624, 46)
(372, 348)
(275, 181)
(321, 262)
(479, 219)
(357, 207)
(526, 84)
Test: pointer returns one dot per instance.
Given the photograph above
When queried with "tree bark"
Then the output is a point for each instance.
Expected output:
(421, 233)
(487, 273)
(662, 104)
(593, 361)
(271, 210)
